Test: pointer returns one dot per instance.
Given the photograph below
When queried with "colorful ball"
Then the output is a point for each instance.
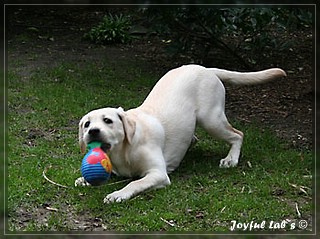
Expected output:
(96, 167)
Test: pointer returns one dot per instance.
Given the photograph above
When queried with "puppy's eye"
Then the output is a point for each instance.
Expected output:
(107, 121)
(86, 125)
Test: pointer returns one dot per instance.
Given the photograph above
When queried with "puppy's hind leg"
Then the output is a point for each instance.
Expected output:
(219, 127)
(235, 138)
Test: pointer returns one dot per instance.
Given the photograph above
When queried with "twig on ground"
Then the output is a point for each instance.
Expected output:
(169, 223)
(49, 180)
(122, 181)
(52, 209)
(223, 208)
(60, 185)
(301, 188)
(297, 209)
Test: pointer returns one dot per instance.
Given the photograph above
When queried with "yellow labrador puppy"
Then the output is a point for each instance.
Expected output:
(150, 141)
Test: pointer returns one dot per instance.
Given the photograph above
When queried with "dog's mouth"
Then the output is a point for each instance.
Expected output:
(106, 147)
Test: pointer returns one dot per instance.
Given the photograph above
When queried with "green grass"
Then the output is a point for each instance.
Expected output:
(44, 111)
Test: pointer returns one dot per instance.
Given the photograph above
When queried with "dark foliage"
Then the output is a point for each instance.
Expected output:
(198, 29)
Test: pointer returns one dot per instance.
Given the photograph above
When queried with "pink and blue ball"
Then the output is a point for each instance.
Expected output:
(96, 167)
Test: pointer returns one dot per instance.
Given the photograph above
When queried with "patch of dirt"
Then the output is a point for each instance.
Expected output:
(44, 217)
(39, 37)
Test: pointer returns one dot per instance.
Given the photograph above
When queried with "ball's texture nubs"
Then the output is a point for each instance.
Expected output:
(96, 166)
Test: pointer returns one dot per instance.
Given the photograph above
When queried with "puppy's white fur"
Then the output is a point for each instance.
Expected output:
(150, 141)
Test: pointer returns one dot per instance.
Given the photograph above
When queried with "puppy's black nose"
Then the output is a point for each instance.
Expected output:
(94, 131)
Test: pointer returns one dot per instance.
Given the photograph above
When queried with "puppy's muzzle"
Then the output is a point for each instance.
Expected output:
(94, 132)
(95, 135)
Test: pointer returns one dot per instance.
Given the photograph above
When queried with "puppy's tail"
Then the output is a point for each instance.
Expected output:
(248, 78)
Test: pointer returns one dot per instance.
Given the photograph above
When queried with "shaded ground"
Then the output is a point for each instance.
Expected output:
(43, 38)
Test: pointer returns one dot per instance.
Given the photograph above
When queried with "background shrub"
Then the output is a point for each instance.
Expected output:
(196, 30)
(112, 29)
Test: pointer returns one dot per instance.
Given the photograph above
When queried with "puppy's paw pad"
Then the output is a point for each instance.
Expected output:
(81, 182)
(227, 163)
(116, 196)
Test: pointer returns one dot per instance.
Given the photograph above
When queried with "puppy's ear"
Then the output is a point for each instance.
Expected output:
(81, 141)
(129, 125)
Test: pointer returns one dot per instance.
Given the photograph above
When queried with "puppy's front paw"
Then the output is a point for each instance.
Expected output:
(117, 196)
(81, 182)
(228, 162)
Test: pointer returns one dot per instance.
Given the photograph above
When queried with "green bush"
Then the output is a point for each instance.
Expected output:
(197, 29)
(112, 29)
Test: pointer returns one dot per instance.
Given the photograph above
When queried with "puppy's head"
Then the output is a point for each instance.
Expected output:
(108, 125)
